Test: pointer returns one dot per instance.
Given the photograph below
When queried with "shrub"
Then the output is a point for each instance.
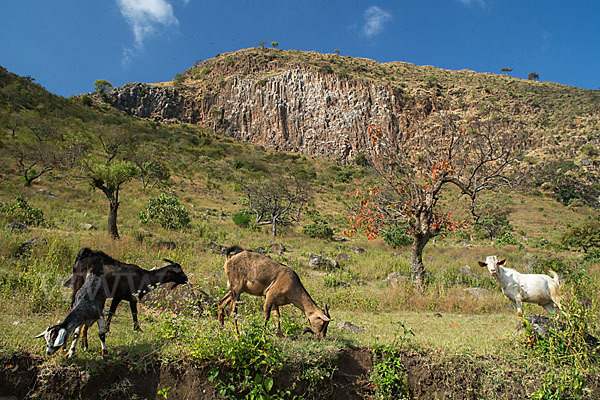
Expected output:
(585, 236)
(167, 212)
(507, 238)
(491, 226)
(178, 80)
(21, 211)
(389, 376)
(397, 238)
(242, 219)
(319, 229)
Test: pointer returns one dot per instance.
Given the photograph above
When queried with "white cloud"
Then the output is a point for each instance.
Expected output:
(144, 16)
(375, 18)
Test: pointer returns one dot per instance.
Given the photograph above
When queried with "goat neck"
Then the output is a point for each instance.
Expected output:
(307, 305)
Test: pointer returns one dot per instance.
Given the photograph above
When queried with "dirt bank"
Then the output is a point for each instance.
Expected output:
(23, 376)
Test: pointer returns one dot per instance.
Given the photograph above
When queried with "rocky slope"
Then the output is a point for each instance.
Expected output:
(321, 104)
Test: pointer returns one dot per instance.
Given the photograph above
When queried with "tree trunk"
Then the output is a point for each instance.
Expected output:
(417, 269)
(274, 227)
(112, 219)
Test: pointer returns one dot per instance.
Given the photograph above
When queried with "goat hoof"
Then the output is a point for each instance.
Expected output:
(137, 328)
(104, 354)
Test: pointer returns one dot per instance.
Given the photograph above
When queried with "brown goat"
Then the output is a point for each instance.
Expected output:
(259, 275)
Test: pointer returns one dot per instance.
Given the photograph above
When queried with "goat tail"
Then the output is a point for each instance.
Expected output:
(554, 276)
(232, 251)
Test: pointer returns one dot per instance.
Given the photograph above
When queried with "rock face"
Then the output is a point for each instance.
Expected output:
(322, 104)
(298, 110)
(146, 101)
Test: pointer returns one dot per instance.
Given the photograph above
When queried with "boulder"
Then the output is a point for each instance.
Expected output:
(17, 227)
(277, 247)
(350, 327)
(318, 262)
(24, 250)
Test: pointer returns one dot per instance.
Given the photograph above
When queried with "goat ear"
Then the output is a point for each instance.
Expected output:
(60, 339)
(501, 262)
(324, 317)
(169, 261)
(69, 282)
(42, 334)
(482, 264)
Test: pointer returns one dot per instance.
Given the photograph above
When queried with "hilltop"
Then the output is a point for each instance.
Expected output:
(320, 104)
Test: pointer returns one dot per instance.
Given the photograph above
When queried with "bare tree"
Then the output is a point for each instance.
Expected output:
(428, 157)
(34, 150)
(277, 202)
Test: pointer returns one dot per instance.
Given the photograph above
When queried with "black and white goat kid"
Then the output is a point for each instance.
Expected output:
(88, 308)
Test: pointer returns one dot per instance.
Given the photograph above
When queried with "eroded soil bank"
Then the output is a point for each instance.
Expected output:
(23, 376)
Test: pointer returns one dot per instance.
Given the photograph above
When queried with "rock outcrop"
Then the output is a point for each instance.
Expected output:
(321, 104)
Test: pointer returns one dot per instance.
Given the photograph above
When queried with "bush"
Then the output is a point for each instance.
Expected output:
(397, 238)
(21, 211)
(319, 229)
(491, 226)
(167, 212)
(242, 219)
(585, 236)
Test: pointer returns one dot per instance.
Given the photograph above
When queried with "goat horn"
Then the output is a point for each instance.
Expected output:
(169, 261)
(42, 334)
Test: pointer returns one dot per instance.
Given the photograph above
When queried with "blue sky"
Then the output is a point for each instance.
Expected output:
(67, 44)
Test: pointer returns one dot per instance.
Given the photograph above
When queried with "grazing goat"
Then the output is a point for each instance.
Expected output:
(259, 275)
(123, 281)
(531, 288)
(88, 308)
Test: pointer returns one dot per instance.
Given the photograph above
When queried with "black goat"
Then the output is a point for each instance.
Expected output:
(88, 308)
(123, 281)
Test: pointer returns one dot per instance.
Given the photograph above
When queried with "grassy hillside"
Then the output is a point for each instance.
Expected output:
(452, 332)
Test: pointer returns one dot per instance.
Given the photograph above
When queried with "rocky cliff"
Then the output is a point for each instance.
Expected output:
(321, 104)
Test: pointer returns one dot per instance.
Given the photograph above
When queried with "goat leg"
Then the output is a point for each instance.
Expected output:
(74, 343)
(221, 305)
(133, 306)
(102, 336)
(277, 318)
(84, 339)
(111, 312)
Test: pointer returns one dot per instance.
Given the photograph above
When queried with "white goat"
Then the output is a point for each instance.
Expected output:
(530, 288)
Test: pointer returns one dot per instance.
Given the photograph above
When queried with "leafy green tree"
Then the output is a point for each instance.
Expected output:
(506, 70)
(336, 51)
(107, 173)
(102, 86)
(109, 178)
(533, 76)
(274, 44)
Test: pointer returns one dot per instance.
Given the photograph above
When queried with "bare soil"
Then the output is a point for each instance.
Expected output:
(24, 376)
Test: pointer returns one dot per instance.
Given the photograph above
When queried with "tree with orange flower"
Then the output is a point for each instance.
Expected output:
(436, 150)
